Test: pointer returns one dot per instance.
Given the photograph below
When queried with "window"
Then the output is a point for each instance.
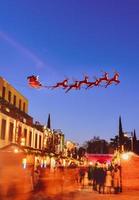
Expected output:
(20, 104)
(40, 142)
(11, 126)
(3, 92)
(14, 100)
(25, 135)
(18, 136)
(24, 106)
(36, 141)
(19, 131)
(30, 138)
(3, 129)
(9, 97)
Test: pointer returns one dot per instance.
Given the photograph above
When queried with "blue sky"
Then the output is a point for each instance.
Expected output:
(68, 38)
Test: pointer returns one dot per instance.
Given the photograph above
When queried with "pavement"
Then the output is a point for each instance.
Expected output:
(63, 186)
(81, 194)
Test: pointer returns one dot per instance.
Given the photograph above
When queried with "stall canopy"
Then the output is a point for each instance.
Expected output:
(101, 158)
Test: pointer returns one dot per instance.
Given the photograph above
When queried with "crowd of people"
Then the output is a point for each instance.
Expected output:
(102, 178)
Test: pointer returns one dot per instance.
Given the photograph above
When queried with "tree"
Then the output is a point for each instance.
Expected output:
(74, 152)
(49, 122)
(134, 140)
(81, 152)
(126, 142)
(96, 145)
(121, 134)
(114, 142)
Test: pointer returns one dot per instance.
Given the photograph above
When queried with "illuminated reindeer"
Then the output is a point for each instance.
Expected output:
(105, 77)
(63, 84)
(75, 86)
(114, 79)
(94, 83)
(84, 81)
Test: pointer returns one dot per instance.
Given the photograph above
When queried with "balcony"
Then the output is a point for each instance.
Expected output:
(12, 111)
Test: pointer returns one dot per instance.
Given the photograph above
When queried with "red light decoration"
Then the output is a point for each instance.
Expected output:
(103, 81)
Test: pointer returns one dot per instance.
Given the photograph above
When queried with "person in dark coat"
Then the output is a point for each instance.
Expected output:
(82, 174)
(101, 179)
(116, 179)
(90, 174)
(95, 177)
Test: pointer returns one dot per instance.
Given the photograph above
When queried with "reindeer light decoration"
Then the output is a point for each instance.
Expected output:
(103, 81)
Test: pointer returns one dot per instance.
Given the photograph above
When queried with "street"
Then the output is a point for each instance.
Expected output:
(81, 194)
(89, 194)
(63, 186)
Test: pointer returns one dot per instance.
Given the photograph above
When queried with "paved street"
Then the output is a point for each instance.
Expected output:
(88, 195)
(83, 194)
(63, 186)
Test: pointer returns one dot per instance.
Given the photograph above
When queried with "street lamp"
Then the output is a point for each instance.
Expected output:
(16, 150)
(23, 141)
(125, 156)
(131, 139)
(132, 144)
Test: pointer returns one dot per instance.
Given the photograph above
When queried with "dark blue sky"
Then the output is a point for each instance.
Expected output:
(54, 39)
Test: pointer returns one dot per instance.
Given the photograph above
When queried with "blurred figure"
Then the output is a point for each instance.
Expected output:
(101, 179)
(77, 177)
(95, 176)
(90, 174)
(116, 179)
(38, 182)
(82, 175)
(12, 191)
(108, 182)
(36, 177)
(86, 178)
(111, 167)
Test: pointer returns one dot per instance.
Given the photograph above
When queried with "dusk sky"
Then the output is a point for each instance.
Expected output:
(68, 38)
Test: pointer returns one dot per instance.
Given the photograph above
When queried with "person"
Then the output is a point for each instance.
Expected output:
(108, 182)
(90, 174)
(95, 176)
(82, 174)
(111, 167)
(101, 179)
(36, 178)
(116, 179)
(77, 175)
(86, 179)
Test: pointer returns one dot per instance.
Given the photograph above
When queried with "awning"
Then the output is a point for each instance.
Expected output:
(101, 158)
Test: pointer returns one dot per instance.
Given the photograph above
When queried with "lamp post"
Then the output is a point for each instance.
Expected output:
(131, 140)
(132, 144)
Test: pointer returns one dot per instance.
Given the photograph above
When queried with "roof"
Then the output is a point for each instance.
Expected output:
(99, 157)
(11, 148)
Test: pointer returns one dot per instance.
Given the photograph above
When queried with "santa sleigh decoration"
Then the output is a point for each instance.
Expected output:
(103, 81)
(34, 82)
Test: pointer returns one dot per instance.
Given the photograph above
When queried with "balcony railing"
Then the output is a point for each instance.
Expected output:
(12, 111)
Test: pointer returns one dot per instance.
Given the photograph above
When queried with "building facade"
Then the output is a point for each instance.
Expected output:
(16, 126)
